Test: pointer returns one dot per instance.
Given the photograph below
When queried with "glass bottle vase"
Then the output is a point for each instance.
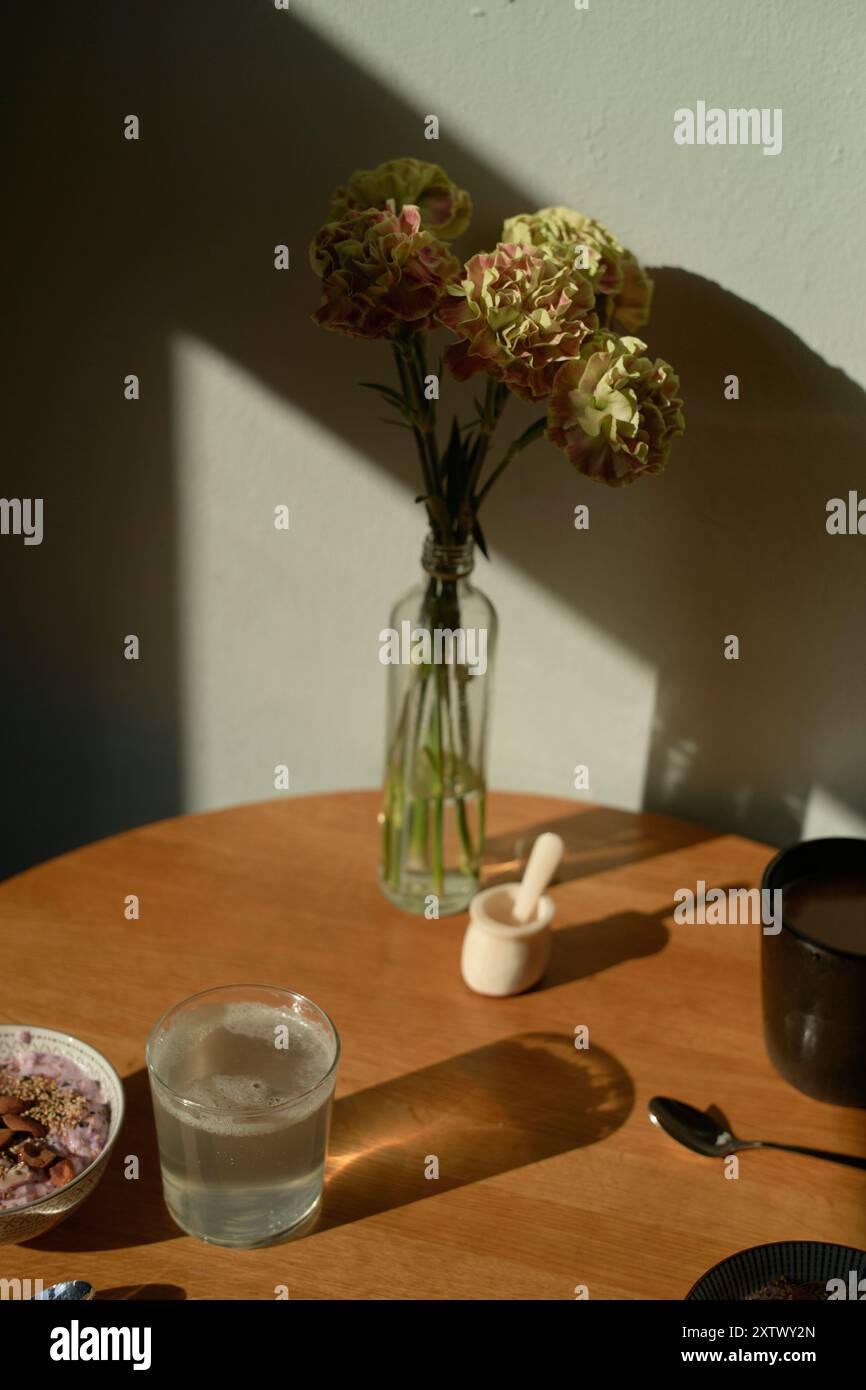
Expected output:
(439, 649)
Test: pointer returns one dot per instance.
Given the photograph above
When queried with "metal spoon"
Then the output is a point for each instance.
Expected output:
(69, 1289)
(704, 1135)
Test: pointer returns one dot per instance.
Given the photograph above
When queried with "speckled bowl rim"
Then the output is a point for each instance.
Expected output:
(116, 1112)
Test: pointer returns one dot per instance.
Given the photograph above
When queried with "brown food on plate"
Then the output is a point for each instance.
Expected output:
(61, 1172)
(23, 1124)
(35, 1155)
(783, 1289)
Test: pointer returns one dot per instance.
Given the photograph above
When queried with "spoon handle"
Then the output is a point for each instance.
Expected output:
(848, 1159)
(543, 860)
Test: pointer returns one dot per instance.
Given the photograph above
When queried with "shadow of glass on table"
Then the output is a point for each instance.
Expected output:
(504, 1106)
(596, 839)
(122, 1211)
(514, 1102)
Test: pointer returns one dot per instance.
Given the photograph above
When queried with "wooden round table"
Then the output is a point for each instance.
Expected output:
(550, 1177)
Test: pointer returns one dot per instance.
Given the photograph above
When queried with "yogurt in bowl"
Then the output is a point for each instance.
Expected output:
(61, 1106)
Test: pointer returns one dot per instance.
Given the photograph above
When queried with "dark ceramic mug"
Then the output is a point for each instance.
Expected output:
(814, 970)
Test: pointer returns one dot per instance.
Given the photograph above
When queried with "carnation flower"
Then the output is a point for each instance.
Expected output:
(630, 306)
(379, 269)
(571, 237)
(615, 412)
(445, 209)
(564, 232)
(519, 314)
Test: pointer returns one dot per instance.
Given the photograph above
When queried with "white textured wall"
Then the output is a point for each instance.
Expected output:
(279, 631)
(578, 107)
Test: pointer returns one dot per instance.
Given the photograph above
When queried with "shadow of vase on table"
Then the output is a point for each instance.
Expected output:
(597, 839)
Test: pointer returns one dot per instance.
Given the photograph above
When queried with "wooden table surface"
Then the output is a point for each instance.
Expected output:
(551, 1176)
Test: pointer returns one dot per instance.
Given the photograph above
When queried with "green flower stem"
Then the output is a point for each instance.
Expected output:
(427, 407)
(405, 384)
(419, 830)
(495, 401)
(409, 356)
(535, 431)
(465, 837)
(419, 707)
(438, 792)
(448, 614)
(395, 801)
(459, 805)
(386, 832)
(438, 809)
(392, 760)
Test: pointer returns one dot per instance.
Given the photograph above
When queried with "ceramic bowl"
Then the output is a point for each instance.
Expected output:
(802, 1260)
(34, 1218)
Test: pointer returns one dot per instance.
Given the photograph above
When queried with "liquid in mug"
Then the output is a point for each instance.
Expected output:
(243, 1153)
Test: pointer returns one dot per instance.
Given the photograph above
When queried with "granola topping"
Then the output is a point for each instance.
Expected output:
(52, 1126)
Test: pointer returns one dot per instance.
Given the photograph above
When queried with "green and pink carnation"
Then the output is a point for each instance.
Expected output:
(624, 288)
(615, 412)
(519, 314)
(445, 209)
(379, 269)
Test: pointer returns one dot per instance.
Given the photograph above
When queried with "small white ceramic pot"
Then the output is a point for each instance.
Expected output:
(498, 957)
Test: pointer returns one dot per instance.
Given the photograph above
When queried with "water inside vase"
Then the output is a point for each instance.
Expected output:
(431, 852)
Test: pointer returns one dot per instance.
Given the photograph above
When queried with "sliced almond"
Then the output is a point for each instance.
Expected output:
(61, 1172)
(22, 1124)
(12, 1105)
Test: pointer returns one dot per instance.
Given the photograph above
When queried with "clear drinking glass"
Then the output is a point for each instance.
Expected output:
(242, 1079)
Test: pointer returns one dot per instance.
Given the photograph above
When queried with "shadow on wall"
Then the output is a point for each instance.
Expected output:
(731, 540)
(248, 120)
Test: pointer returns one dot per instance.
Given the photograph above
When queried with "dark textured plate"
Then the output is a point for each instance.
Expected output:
(803, 1260)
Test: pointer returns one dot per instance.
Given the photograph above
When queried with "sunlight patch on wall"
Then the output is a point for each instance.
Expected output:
(827, 815)
(277, 629)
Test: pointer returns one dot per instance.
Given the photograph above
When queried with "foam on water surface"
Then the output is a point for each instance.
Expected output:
(233, 1059)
